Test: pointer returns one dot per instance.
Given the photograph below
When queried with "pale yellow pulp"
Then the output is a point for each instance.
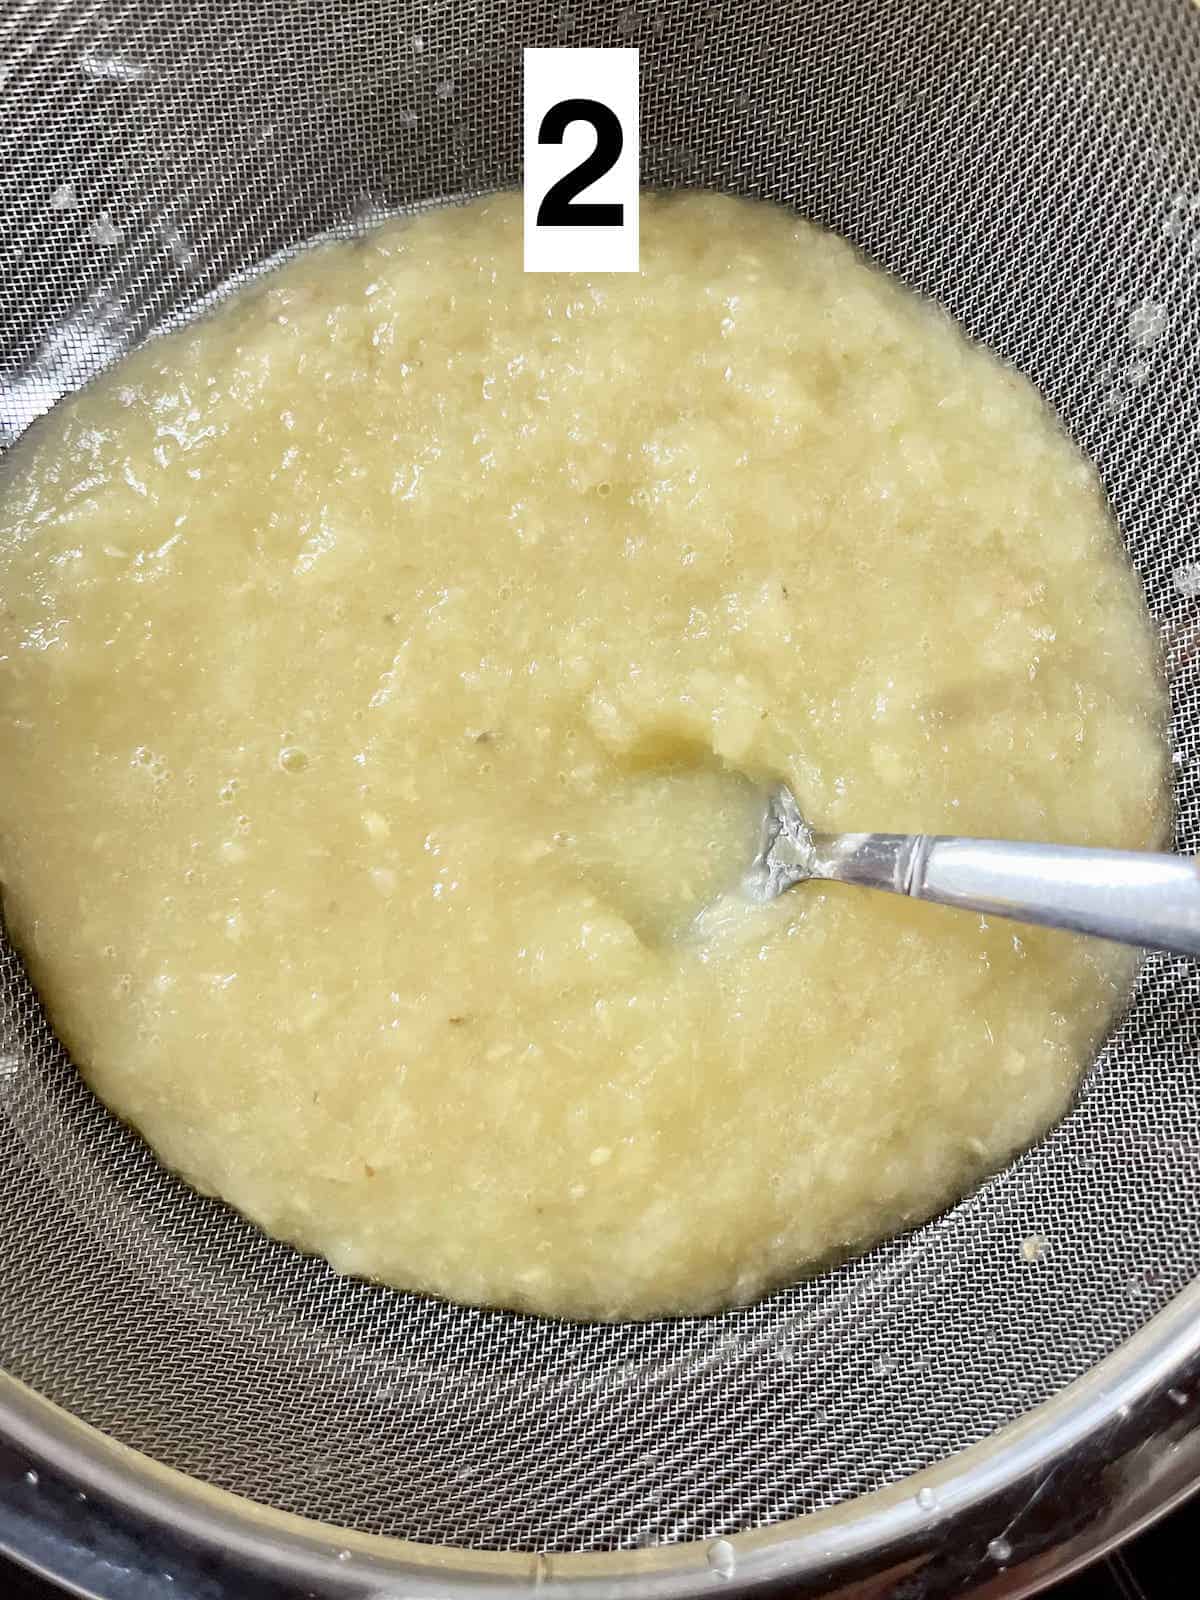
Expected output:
(382, 664)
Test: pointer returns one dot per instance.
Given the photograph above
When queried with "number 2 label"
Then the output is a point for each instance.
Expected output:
(581, 160)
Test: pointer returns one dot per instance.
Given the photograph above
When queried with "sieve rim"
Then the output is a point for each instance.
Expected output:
(1102, 1459)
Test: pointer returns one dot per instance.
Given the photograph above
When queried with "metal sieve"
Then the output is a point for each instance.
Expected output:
(982, 1402)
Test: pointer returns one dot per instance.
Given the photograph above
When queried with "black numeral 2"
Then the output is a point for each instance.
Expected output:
(559, 207)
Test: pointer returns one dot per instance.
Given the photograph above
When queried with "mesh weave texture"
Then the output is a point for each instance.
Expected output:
(1035, 164)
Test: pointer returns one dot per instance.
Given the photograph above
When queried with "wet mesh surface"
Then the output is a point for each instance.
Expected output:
(1031, 162)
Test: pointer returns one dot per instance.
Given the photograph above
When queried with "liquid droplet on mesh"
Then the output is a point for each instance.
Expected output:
(1035, 1248)
(104, 231)
(1147, 323)
(10, 1064)
(1000, 1550)
(927, 1500)
(722, 1558)
(117, 69)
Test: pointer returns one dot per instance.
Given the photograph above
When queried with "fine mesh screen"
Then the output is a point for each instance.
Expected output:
(1033, 163)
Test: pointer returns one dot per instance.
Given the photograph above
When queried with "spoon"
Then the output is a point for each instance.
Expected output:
(1132, 896)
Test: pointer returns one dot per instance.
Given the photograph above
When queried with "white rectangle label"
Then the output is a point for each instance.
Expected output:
(581, 160)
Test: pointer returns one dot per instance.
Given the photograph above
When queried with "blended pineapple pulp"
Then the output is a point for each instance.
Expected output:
(391, 664)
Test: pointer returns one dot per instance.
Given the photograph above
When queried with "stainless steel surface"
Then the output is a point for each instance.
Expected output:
(1030, 162)
(1025, 1507)
(1135, 896)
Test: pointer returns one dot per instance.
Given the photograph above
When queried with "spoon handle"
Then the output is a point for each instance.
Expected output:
(1133, 896)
